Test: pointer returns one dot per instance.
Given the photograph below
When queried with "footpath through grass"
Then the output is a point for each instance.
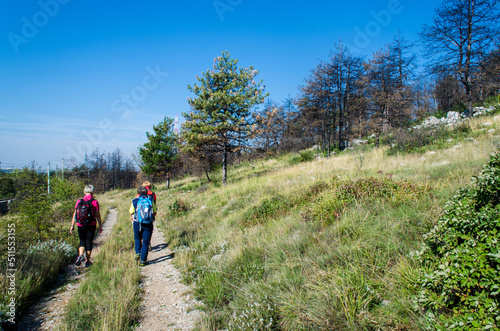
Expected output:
(109, 296)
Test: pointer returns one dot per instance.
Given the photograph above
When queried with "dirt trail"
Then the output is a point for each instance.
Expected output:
(48, 312)
(167, 303)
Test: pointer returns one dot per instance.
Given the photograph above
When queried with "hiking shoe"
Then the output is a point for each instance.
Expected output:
(150, 248)
(79, 260)
(137, 256)
(88, 264)
(143, 263)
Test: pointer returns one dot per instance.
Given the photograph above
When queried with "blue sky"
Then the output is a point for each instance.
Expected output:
(78, 75)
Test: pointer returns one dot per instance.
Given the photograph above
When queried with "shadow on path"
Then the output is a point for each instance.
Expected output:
(162, 258)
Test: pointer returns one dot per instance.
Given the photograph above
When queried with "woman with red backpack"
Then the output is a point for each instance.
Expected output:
(86, 216)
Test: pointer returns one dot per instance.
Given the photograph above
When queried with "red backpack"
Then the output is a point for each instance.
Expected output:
(84, 214)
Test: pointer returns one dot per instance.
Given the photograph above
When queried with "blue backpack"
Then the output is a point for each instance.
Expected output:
(144, 210)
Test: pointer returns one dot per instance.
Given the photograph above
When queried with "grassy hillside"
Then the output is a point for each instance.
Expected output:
(290, 244)
(317, 245)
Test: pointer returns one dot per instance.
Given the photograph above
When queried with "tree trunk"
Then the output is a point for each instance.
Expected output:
(468, 55)
(206, 174)
(224, 166)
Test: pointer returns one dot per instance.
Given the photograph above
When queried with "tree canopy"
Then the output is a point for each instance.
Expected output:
(220, 120)
(160, 152)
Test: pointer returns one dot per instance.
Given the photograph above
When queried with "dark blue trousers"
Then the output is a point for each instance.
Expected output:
(142, 237)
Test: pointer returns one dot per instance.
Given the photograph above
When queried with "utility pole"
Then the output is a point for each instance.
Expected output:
(48, 178)
(62, 168)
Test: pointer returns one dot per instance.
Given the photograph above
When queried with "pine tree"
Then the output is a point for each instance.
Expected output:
(220, 120)
(159, 154)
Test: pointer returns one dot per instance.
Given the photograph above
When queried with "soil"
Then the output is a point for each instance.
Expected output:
(167, 303)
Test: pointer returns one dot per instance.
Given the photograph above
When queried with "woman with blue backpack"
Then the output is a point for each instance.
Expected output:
(86, 216)
(143, 211)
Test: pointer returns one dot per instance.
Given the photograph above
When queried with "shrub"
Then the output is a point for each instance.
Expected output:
(294, 159)
(64, 190)
(306, 156)
(269, 207)
(279, 205)
(7, 188)
(460, 274)
(178, 207)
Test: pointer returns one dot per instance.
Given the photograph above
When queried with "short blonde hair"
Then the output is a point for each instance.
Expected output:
(88, 189)
(146, 183)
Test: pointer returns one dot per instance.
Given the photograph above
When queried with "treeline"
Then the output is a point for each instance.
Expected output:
(105, 171)
(346, 98)
(350, 97)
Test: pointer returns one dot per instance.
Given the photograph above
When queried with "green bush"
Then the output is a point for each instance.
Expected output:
(269, 207)
(294, 159)
(64, 190)
(7, 188)
(306, 156)
(460, 275)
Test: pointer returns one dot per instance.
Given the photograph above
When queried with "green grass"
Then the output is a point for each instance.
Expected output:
(321, 245)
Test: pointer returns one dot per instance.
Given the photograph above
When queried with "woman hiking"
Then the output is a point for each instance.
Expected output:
(86, 216)
(143, 212)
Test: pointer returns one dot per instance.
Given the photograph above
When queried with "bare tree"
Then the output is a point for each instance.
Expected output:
(447, 90)
(491, 74)
(389, 89)
(329, 98)
(270, 127)
(462, 34)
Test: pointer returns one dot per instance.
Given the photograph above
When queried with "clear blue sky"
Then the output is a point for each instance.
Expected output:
(78, 75)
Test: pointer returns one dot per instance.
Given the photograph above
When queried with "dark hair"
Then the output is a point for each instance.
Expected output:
(142, 190)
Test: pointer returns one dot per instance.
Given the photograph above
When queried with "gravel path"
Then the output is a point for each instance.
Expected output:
(47, 313)
(167, 303)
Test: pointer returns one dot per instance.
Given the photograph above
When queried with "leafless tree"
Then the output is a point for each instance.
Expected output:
(329, 98)
(462, 34)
